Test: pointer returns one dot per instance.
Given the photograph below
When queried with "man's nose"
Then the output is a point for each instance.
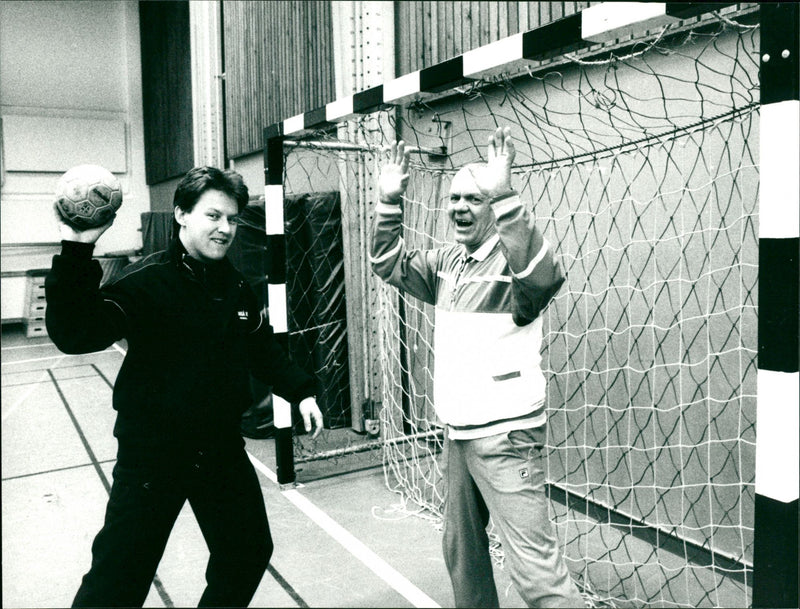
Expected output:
(458, 204)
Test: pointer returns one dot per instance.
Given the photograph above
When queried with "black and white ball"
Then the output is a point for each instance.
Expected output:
(88, 196)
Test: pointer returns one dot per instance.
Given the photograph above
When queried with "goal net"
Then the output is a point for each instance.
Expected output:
(639, 162)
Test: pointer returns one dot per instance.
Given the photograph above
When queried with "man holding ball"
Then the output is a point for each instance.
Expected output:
(194, 333)
(489, 289)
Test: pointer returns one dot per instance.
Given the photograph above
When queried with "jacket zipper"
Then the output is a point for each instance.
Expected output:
(461, 266)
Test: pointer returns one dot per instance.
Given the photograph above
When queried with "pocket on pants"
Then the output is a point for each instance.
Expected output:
(528, 445)
(141, 486)
(527, 440)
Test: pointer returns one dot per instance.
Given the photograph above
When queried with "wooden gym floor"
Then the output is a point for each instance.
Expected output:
(339, 540)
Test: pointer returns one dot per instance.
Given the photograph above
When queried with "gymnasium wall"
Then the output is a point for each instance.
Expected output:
(279, 60)
(70, 93)
(429, 32)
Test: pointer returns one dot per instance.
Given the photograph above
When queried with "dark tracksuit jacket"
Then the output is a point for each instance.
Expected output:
(194, 331)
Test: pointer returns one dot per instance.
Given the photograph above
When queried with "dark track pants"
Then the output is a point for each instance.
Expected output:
(226, 499)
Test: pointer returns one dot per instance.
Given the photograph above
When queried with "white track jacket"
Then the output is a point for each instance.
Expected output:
(488, 329)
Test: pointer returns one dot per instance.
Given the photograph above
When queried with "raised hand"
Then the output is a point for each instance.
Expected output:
(89, 235)
(394, 174)
(496, 179)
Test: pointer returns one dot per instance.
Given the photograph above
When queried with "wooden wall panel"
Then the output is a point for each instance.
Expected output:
(279, 55)
(428, 32)
(166, 89)
(278, 63)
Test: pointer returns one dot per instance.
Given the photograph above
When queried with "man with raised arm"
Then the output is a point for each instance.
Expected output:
(194, 333)
(489, 290)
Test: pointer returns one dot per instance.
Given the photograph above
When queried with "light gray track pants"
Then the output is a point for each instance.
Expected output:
(502, 475)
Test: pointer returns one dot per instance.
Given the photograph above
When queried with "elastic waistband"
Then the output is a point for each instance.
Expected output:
(536, 418)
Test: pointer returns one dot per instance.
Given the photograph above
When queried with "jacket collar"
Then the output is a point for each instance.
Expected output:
(178, 254)
(175, 250)
(485, 249)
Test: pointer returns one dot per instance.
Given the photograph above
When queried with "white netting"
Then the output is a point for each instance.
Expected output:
(642, 171)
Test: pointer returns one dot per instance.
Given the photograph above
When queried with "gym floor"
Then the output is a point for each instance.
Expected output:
(340, 541)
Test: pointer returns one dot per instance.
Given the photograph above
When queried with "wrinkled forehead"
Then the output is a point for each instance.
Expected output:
(465, 178)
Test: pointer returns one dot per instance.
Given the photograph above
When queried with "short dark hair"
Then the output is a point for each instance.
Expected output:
(199, 180)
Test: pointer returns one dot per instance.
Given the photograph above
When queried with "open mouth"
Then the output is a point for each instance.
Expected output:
(462, 223)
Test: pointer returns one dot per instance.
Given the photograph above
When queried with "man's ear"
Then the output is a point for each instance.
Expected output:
(179, 214)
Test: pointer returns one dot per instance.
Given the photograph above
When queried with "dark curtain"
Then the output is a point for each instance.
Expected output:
(316, 299)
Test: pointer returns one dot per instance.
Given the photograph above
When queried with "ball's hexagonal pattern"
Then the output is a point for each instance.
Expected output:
(88, 196)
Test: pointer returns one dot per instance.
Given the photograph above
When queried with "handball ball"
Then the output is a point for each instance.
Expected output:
(88, 196)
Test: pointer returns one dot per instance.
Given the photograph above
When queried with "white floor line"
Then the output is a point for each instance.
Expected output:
(353, 545)
(271, 476)
(21, 400)
(42, 359)
(9, 411)
(39, 346)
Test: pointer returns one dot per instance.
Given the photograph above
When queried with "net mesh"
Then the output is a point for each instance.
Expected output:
(641, 169)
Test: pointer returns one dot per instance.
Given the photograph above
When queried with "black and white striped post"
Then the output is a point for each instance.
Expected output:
(775, 549)
(274, 137)
(276, 291)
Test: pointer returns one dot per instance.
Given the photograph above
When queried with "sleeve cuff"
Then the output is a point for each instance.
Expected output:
(76, 249)
(388, 209)
(505, 204)
(502, 196)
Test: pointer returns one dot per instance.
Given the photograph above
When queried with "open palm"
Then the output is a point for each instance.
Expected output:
(394, 174)
(496, 179)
